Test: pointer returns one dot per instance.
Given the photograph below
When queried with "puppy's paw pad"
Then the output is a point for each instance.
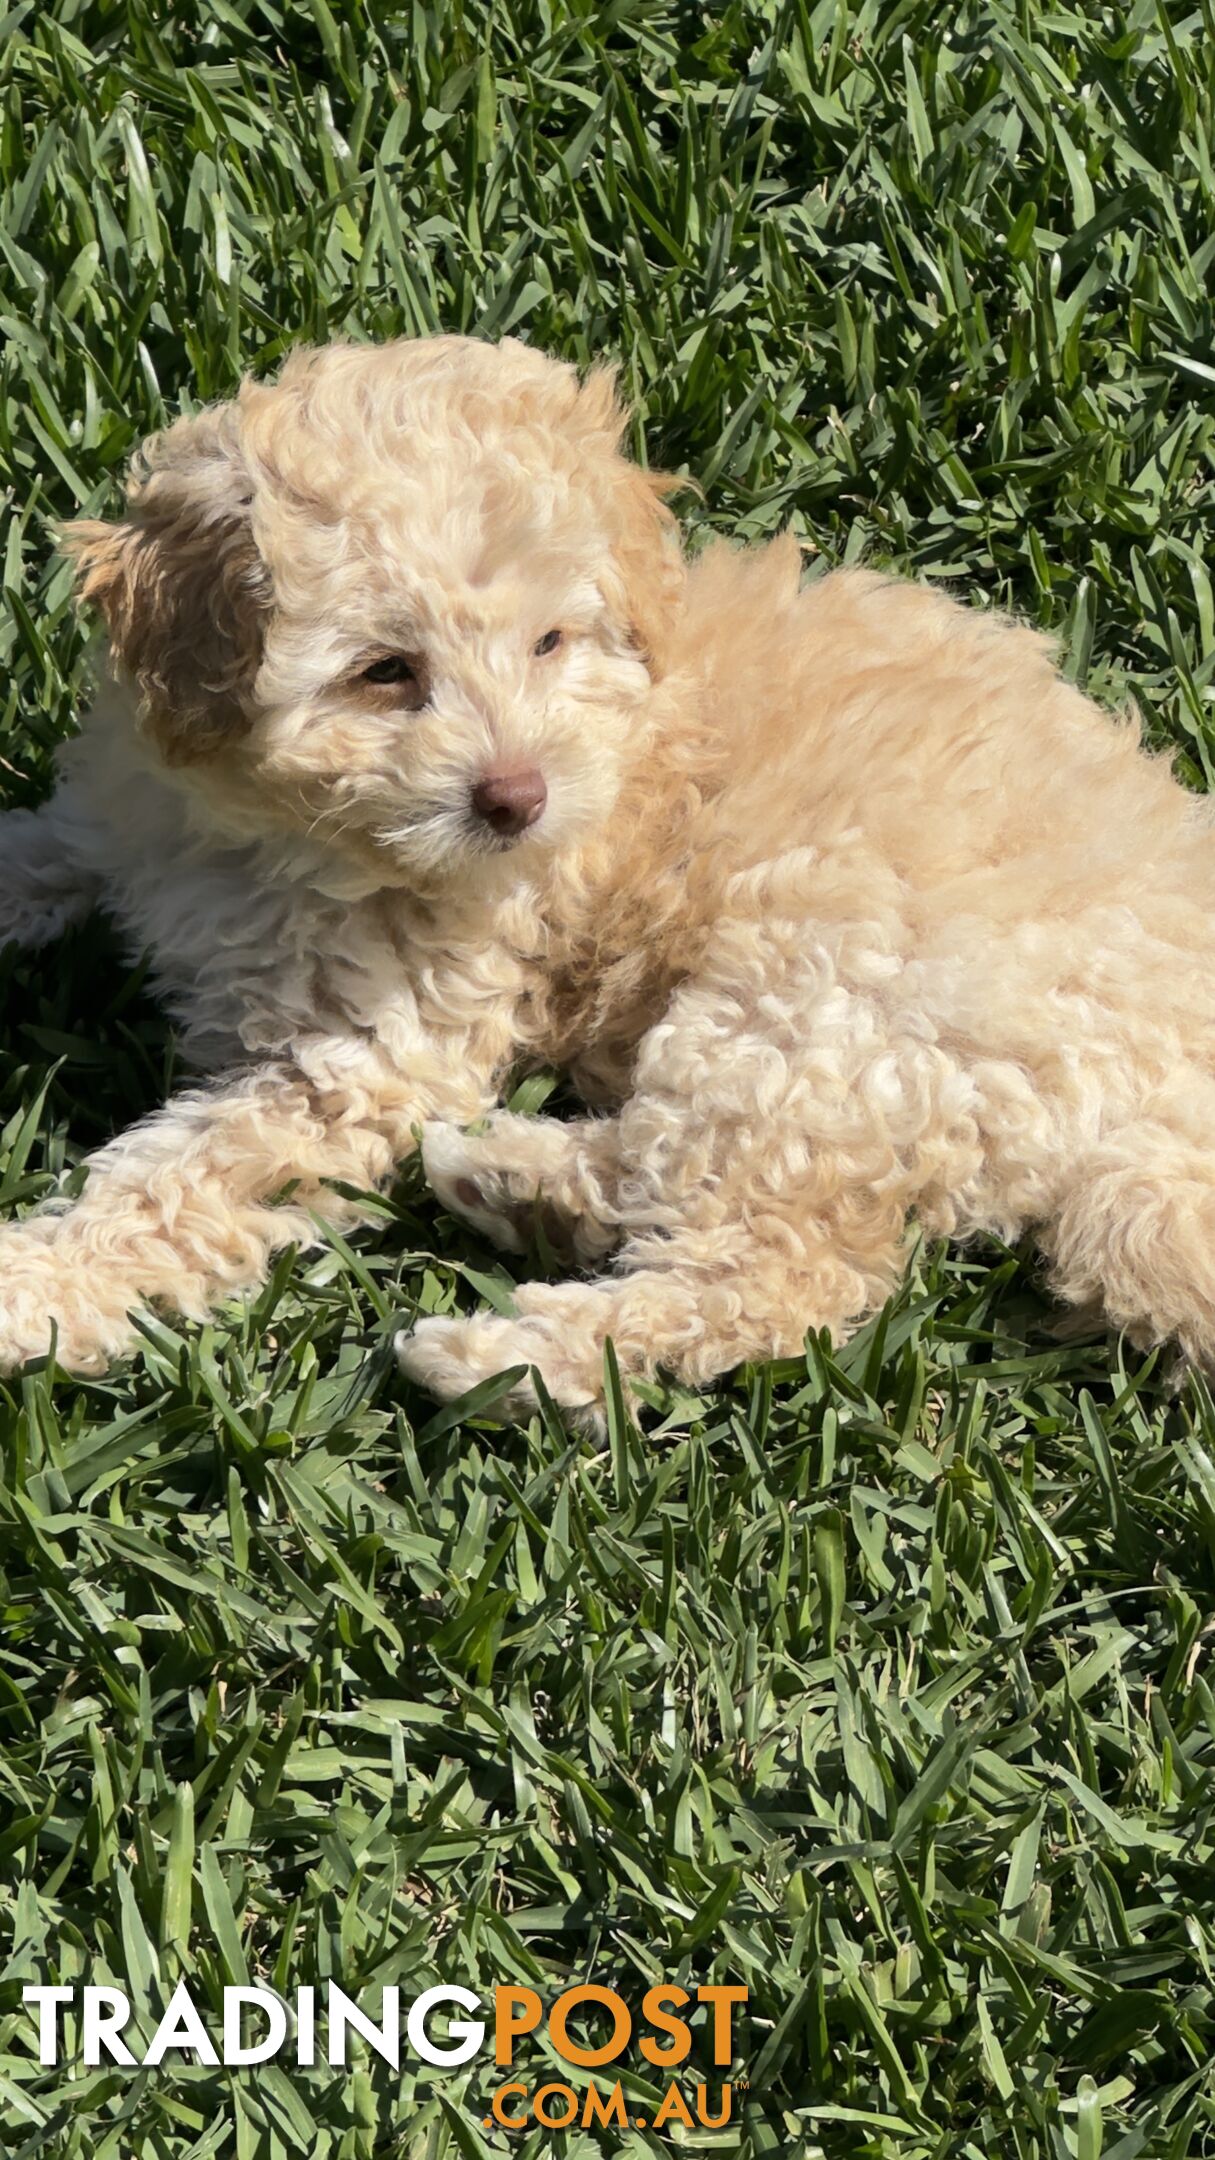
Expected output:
(460, 1177)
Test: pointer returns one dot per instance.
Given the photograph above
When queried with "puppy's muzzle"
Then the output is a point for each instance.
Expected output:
(510, 801)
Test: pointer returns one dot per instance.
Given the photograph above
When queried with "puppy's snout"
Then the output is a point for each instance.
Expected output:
(510, 801)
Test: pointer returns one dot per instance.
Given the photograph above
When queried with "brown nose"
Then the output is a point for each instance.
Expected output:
(510, 801)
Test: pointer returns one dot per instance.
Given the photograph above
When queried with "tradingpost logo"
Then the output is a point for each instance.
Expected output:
(663, 2039)
(94, 2023)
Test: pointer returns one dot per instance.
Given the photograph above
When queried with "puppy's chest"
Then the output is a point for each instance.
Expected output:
(610, 958)
(510, 985)
(589, 1008)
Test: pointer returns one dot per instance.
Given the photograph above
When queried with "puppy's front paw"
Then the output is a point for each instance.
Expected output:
(447, 1357)
(513, 1178)
(460, 1172)
(41, 1300)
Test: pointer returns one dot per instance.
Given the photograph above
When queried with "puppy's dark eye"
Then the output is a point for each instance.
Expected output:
(393, 668)
(548, 643)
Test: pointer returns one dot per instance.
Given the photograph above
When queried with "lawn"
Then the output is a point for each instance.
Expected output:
(879, 1682)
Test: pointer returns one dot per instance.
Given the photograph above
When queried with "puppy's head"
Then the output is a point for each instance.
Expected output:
(410, 599)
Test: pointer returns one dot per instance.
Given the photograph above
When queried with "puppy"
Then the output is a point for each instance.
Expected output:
(426, 753)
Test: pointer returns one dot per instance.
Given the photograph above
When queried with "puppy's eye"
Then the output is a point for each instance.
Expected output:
(393, 668)
(547, 644)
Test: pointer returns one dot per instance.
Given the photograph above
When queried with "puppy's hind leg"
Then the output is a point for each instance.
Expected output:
(1136, 1233)
(43, 887)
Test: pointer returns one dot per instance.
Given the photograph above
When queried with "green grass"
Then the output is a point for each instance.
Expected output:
(879, 1682)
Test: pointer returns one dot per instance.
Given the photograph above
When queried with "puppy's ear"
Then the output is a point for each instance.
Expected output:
(649, 562)
(646, 548)
(180, 584)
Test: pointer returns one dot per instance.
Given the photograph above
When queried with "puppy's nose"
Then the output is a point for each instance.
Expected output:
(510, 801)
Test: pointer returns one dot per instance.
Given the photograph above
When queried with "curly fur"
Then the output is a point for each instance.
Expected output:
(844, 909)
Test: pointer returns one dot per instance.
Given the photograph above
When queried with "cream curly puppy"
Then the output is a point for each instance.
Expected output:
(427, 752)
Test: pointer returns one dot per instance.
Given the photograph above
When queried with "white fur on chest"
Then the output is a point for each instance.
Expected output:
(249, 953)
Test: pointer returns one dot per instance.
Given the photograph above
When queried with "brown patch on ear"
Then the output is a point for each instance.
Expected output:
(180, 584)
